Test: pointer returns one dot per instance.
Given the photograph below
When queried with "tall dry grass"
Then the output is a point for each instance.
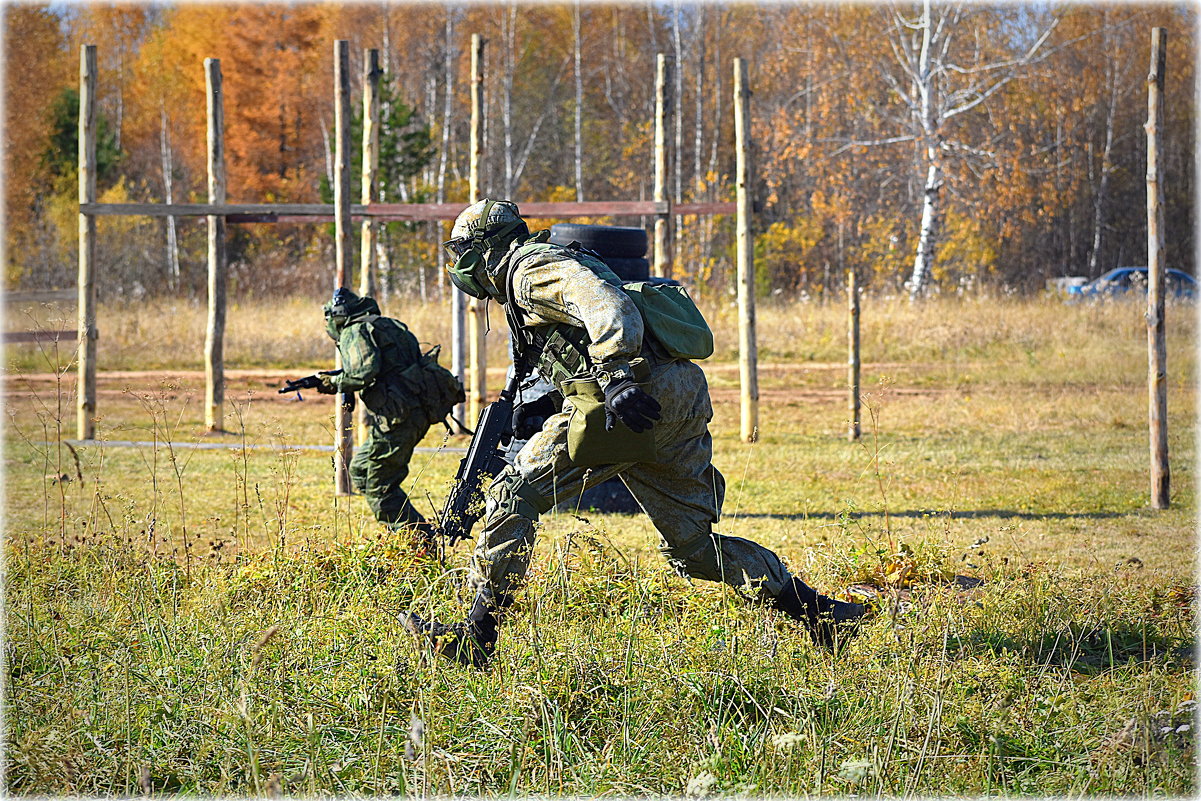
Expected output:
(218, 623)
(1086, 342)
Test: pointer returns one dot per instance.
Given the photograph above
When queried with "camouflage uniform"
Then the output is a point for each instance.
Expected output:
(586, 326)
(681, 491)
(373, 349)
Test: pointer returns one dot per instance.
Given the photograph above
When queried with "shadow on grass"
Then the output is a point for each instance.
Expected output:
(969, 514)
(1089, 650)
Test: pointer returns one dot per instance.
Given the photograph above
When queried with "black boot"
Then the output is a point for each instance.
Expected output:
(470, 642)
(423, 534)
(828, 620)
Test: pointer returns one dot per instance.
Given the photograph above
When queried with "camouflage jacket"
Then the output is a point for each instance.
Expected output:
(552, 285)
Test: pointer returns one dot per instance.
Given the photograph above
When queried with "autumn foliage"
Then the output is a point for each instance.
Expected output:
(1044, 177)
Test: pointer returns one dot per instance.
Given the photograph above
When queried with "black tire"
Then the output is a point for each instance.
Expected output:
(607, 240)
(611, 497)
(629, 269)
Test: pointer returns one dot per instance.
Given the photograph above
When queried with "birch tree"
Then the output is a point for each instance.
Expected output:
(943, 65)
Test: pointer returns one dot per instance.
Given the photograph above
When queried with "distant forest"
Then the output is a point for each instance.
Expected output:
(1011, 135)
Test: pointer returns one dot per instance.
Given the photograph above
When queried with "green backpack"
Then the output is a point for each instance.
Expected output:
(431, 386)
(424, 386)
(673, 318)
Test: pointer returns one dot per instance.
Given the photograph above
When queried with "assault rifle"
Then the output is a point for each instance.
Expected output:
(314, 382)
(465, 504)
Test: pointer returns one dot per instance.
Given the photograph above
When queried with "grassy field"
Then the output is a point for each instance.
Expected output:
(217, 622)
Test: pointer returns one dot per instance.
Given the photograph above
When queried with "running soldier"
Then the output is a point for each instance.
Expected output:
(635, 407)
(405, 392)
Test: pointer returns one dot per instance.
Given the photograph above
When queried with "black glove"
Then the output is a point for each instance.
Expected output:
(627, 402)
(528, 417)
(326, 388)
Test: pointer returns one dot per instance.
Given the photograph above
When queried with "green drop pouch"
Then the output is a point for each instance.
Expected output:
(588, 443)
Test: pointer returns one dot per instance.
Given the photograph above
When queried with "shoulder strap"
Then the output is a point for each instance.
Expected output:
(523, 338)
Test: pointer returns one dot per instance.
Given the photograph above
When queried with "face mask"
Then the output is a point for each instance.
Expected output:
(462, 274)
(333, 327)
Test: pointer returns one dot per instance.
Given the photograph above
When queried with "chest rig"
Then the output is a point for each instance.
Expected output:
(557, 351)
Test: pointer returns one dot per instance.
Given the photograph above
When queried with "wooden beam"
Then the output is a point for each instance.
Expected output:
(17, 337)
(343, 417)
(85, 411)
(214, 340)
(42, 296)
(748, 352)
(1157, 348)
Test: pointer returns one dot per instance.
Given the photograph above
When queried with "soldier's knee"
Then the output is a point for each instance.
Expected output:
(512, 495)
(695, 558)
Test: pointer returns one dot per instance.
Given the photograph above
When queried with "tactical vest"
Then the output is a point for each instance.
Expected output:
(559, 350)
(398, 350)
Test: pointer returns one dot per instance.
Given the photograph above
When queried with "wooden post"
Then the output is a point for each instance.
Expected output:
(853, 354)
(371, 79)
(458, 335)
(663, 254)
(477, 390)
(85, 418)
(214, 339)
(1157, 349)
(343, 419)
(748, 353)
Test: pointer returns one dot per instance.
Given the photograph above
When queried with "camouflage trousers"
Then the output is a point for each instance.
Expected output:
(681, 492)
(382, 462)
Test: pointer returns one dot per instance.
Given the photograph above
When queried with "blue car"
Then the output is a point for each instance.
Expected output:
(1121, 280)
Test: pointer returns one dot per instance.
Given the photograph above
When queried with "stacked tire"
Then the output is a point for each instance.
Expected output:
(623, 249)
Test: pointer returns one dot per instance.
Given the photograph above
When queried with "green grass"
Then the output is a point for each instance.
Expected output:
(217, 622)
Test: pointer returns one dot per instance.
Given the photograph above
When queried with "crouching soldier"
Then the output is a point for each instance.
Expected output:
(631, 402)
(405, 392)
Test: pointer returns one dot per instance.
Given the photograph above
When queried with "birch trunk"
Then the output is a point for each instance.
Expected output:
(677, 115)
(510, 38)
(928, 232)
(698, 127)
(579, 108)
(924, 86)
(1094, 255)
(448, 72)
(168, 167)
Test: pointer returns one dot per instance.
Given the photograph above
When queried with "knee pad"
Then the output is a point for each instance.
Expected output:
(514, 496)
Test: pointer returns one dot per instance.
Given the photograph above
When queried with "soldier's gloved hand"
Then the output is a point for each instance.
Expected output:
(529, 417)
(324, 385)
(627, 402)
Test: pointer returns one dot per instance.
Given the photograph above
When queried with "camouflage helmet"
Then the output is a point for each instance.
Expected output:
(339, 305)
(344, 307)
(478, 240)
(502, 219)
